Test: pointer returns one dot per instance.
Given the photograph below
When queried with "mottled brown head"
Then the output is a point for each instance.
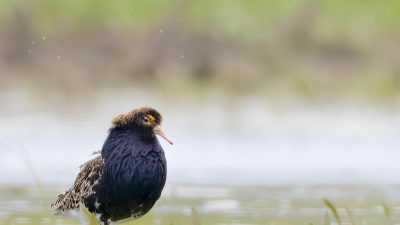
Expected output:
(146, 118)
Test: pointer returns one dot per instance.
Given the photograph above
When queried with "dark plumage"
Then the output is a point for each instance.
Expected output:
(127, 178)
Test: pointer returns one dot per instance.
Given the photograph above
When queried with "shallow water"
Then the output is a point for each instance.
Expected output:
(251, 164)
(227, 205)
(252, 144)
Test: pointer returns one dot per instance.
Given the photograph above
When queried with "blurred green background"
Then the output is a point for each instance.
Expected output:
(273, 105)
(314, 51)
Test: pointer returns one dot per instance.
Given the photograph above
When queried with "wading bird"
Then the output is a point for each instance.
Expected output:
(127, 178)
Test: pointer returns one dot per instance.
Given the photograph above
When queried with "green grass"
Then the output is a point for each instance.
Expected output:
(187, 205)
(228, 16)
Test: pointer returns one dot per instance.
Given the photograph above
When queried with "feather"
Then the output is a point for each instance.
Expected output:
(90, 174)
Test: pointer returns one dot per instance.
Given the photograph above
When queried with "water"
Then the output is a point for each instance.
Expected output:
(225, 205)
(245, 163)
(248, 145)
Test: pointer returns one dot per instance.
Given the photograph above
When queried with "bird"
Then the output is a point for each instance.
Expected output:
(127, 177)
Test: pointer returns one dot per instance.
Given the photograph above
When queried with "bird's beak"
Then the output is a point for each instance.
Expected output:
(159, 131)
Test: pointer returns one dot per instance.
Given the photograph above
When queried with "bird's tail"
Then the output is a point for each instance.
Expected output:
(65, 202)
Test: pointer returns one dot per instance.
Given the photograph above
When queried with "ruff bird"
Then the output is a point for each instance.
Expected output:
(127, 177)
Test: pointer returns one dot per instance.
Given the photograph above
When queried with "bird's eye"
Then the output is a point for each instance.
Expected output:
(146, 120)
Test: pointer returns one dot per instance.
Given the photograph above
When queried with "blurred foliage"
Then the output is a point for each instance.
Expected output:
(315, 50)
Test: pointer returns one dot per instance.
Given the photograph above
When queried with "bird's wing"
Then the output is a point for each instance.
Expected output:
(89, 175)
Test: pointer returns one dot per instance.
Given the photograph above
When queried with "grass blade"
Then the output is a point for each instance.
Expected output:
(351, 218)
(388, 214)
(195, 217)
(332, 207)
(327, 218)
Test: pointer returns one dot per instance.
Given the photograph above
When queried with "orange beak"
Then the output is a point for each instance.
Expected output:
(159, 131)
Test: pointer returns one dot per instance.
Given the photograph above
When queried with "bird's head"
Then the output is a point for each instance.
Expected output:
(145, 118)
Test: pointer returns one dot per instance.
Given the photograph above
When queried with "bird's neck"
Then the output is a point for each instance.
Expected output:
(127, 141)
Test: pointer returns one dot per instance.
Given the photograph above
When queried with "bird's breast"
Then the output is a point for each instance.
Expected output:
(136, 177)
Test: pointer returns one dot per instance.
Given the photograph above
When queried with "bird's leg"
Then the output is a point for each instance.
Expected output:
(90, 217)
